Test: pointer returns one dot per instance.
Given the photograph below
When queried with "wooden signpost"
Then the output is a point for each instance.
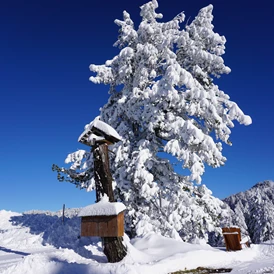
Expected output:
(99, 135)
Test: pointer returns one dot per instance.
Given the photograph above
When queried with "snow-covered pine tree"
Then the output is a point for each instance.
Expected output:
(162, 99)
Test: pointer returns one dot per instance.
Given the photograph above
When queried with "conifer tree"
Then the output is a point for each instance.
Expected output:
(163, 101)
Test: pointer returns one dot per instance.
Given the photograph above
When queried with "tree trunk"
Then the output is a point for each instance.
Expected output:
(114, 249)
(102, 176)
(112, 246)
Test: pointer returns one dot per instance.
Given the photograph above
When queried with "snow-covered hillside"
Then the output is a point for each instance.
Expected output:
(38, 242)
(254, 211)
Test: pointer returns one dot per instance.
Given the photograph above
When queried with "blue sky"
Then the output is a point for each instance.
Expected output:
(46, 98)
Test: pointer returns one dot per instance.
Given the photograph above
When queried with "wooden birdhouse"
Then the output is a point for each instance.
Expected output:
(99, 131)
(103, 219)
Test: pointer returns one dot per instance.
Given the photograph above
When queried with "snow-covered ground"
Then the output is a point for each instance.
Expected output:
(38, 242)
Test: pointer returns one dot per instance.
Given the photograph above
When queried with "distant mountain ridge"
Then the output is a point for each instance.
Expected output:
(254, 211)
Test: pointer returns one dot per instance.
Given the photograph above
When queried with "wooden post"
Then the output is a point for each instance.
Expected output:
(112, 246)
(63, 216)
(102, 175)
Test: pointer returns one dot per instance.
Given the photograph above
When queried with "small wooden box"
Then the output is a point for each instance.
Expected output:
(232, 236)
(103, 226)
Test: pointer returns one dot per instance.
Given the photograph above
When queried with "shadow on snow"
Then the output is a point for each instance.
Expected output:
(13, 251)
(60, 235)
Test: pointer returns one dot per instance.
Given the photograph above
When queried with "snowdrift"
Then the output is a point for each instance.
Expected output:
(38, 242)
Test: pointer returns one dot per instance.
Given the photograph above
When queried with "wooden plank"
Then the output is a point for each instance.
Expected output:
(112, 227)
(120, 224)
(89, 229)
(103, 229)
(98, 219)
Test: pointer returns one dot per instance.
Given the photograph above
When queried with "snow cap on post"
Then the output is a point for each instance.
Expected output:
(102, 208)
(99, 131)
